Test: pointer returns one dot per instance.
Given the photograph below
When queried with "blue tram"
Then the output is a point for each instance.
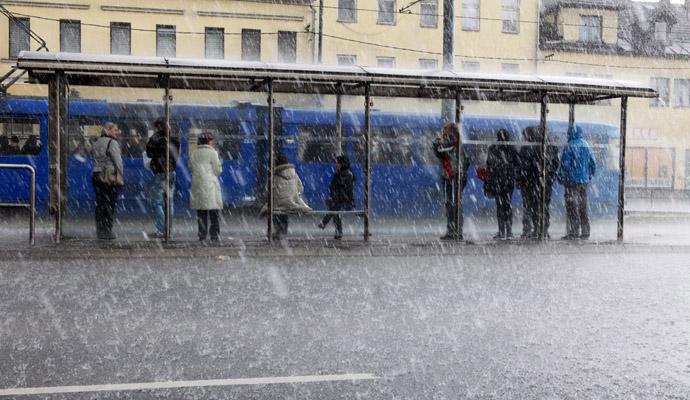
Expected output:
(405, 176)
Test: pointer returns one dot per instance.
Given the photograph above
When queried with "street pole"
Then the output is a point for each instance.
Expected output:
(447, 107)
(320, 31)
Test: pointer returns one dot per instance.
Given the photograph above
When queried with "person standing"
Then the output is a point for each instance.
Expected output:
(501, 162)
(206, 197)
(577, 168)
(528, 179)
(107, 178)
(341, 193)
(287, 196)
(155, 150)
(445, 148)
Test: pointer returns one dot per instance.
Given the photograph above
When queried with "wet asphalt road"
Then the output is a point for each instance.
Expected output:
(518, 325)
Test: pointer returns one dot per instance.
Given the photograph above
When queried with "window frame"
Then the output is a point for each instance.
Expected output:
(660, 102)
(210, 31)
(422, 61)
(352, 57)
(249, 53)
(381, 13)
(13, 22)
(589, 28)
(433, 16)
(35, 124)
(685, 100)
(508, 8)
(291, 37)
(468, 22)
(385, 59)
(163, 31)
(342, 10)
(129, 37)
(63, 44)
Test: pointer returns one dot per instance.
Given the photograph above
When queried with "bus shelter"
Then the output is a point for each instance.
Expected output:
(60, 70)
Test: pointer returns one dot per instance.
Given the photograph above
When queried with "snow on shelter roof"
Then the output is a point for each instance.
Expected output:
(204, 74)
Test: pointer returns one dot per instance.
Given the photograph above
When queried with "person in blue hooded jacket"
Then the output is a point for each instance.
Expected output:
(577, 168)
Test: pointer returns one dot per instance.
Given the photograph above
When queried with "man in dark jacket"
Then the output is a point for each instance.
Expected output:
(342, 197)
(501, 162)
(155, 150)
(32, 147)
(529, 178)
(445, 150)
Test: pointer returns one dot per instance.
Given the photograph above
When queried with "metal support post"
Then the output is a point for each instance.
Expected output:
(571, 115)
(166, 200)
(57, 120)
(621, 166)
(459, 167)
(542, 178)
(339, 121)
(320, 54)
(271, 161)
(367, 159)
(448, 53)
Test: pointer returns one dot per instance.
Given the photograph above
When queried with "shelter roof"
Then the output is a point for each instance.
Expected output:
(204, 74)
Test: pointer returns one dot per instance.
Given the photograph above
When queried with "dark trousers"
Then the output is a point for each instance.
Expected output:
(531, 199)
(504, 213)
(337, 221)
(106, 196)
(280, 224)
(202, 217)
(576, 209)
(450, 201)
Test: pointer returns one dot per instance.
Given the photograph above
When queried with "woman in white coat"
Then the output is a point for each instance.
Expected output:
(206, 197)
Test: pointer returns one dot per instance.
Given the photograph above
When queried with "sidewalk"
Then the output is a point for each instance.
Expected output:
(244, 236)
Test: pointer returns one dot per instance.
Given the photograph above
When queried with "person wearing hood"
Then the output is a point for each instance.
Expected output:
(529, 178)
(206, 197)
(445, 149)
(501, 161)
(341, 193)
(577, 168)
(287, 196)
(107, 178)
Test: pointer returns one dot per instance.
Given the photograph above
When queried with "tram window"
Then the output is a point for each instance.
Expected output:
(226, 134)
(392, 145)
(318, 144)
(82, 134)
(20, 137)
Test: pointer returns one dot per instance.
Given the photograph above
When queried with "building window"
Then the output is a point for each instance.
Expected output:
(470, 15)
(428, 63)
(251, 45)
(470, 66)
(215, 43)
(511, 16)
(662, 86)
(386, 12)
(70, 36)
(287, 47)
(508, 68)
(660, 31)
(166, 43)
(681, 92)
(590, 28)
(120, 38)
(428, 17)
(347, 11)
(347, 59)
(385, 62)
(19, 36)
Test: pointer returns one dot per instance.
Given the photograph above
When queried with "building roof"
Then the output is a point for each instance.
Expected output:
(204, 74)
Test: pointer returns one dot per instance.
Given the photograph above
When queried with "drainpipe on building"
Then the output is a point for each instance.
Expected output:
(313, 32)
